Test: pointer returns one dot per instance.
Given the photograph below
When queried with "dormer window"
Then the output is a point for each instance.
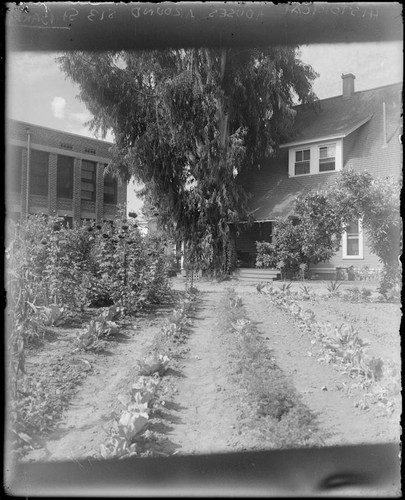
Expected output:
(317, 158)
(327, 158)
(302, 161)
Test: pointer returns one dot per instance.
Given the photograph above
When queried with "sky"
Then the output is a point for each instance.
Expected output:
(38, 92)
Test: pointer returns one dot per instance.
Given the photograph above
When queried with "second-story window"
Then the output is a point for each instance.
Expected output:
(39, 172)
(64, 183)
(14, 168)
(89, 169)
(327, 158)
(302, 161)
(110, 189)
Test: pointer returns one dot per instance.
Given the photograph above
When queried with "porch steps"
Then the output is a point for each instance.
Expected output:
(256, 275)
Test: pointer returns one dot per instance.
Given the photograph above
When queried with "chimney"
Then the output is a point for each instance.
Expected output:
(348, 85)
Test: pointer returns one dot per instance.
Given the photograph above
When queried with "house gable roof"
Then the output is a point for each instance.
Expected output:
(278, 201)
(336, 117)
(342, 130)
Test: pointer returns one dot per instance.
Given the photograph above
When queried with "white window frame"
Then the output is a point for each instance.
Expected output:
(302, 150)
(314, 159)
(327, 158)
(361, 244)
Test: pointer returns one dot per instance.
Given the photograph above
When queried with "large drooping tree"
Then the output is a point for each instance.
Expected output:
(187, 122)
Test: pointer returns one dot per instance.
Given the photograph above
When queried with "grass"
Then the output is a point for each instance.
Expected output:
(274, 407)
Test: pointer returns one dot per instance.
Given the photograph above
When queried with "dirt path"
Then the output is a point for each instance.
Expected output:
(205, 412)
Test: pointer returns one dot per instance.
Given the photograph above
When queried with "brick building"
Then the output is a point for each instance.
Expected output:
(359, 130)
(58, 173)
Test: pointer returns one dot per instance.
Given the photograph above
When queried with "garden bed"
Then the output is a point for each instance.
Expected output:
(222, 391)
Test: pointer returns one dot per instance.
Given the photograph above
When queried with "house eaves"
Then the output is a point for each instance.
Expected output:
(340, 135)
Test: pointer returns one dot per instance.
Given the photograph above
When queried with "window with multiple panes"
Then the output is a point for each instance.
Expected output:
(353, 241)
(110, 189)
(327, 156)
(302, 161)
(39, 170)
(64, 182)
(89, 171)
(14, 168)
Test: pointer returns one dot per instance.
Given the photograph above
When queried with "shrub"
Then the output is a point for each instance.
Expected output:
(285, 251)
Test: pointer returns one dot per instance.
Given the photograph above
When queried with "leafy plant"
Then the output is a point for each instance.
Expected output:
(121, 443)
(307, 292)
(236, 301)
(356, 295)
(152, 364)
(285, 288)
(333, 287)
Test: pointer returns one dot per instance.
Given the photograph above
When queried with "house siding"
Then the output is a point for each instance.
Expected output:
(369, 259)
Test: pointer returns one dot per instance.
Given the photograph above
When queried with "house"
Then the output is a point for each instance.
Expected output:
(65, 174)
(360, 130)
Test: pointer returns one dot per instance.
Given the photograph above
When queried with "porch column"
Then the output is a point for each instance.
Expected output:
(182, 257)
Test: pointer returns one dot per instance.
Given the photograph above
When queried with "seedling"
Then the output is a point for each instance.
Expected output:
(334, 286)
(153, 364)
(285, 288)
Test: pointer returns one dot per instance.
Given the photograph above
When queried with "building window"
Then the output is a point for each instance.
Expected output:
(110, 189)
(302, 161)
(327, 156)
(353, 241)
(39, 172)
(89, 169)
(64, 183)
(14, 168)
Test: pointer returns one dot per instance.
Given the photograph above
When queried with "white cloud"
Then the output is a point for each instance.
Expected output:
(58, 105)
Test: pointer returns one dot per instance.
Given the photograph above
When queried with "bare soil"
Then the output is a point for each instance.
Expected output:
(203, 408)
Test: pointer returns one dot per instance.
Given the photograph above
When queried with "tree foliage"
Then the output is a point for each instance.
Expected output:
(285, 252)
(376, 201)
(323, 216)
(187, 122)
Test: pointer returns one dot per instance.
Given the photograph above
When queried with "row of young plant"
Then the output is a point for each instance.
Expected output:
(129, 430)
(272, 408)
(342, 347)
(352, 294)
